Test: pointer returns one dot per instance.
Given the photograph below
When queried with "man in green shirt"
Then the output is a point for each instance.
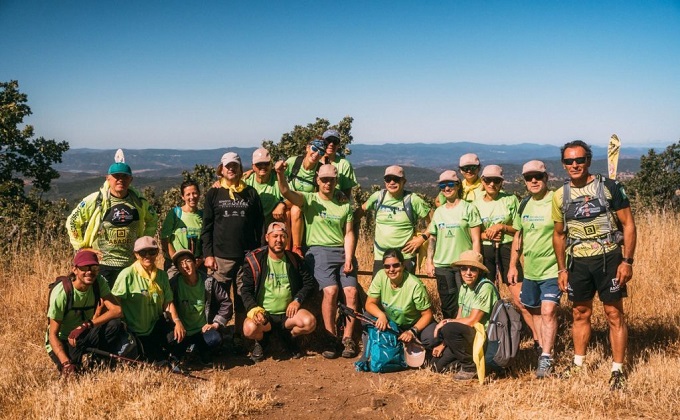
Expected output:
(540, 292)
(264, 182)
(346, 177)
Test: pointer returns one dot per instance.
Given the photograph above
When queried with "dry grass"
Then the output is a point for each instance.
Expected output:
(30, 386)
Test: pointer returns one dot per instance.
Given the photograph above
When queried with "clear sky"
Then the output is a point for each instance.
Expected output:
(190, 75)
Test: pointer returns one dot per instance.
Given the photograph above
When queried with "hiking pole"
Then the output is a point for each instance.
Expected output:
(173, 368)
(347, 311)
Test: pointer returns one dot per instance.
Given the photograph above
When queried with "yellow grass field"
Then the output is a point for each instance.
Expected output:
(31, 388)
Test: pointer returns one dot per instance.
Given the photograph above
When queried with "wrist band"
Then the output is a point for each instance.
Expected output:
(564, 270)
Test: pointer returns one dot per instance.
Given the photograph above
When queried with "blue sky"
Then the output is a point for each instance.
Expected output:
(190, 75)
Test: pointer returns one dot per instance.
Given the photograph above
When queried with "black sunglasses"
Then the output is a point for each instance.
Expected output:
(469, 168)
(579, 160)
(531, 177)
(86, 268)
(492, 180)
(395, 265)
(263, 165)
(450, 184)
(148, 253)
(392, 178)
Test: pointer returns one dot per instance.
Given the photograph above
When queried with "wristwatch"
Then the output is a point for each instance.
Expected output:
(424, 236)
(628, 261)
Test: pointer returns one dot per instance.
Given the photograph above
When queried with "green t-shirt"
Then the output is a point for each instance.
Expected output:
(325, 220)
(304, 180)
(452, 226)
(540, 262)
(484, 301)
(392, 225)
(346, 177)
(73, 317)
(275, 294)
(141, 306)
(118, 232)
(404, 304)
(183, 232)
(190, 304)
(269, 193)
(504, 209)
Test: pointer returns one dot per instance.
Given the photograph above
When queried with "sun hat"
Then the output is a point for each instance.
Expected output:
(448, 176)
(394, 170)
(492, 171)
(120, 168)
(85, 257)
(471, 258)
(145, 242)
(181, 254)
(261, 155)
(468, 159)
(533, 166)
(328, 171)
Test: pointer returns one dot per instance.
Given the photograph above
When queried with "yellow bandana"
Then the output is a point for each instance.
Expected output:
(467, 188)
(150, 277)
(232, 188)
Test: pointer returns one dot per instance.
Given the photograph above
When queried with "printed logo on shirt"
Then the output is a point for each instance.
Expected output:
(121, 215)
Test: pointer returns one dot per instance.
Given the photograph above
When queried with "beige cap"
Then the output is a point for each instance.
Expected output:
(179, 255)
(473, 259)
(468, 159)
(277, 226)
(492, 171)
(448, 176)
(261, 155)
(145, 242)
(533, 166)
(395, 170)
(328, 171)
(230, 157)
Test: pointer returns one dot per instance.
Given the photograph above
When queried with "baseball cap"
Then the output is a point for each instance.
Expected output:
(395, 170)
(145, 242)
(328, 134)
(318, 143)
(261, 155)
(492, 171)
(181, 254)
(85, 257)
(533, 166)
(274, 226)
(230, 157)
(120, 168)
(468, 159)
(328, 171)
(448, 176)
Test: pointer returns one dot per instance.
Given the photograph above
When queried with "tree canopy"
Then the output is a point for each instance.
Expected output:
(294, 142)
(658, 180)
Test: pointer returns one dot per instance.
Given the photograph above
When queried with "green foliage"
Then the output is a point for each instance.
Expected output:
(294, 142)
(656, 183)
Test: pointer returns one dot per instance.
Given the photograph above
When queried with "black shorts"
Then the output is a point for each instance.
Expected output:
(586, 276)
(490, 255)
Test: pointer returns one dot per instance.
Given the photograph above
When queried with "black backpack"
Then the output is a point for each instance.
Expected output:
(295, 169)
(68, 289)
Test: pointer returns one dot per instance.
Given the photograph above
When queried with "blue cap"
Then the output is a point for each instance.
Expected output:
(331, 133)
(318, 143)
(120, 168)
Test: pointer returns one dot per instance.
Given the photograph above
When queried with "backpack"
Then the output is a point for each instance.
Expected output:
(503, 333)
(523, 205)
(68, 289)
(296, 168)
(383, 352)
(408, 206)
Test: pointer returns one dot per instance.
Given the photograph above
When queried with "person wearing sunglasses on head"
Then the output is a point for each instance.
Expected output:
(399, 296)
(500, 219)
(594, 240)
(75, 323)
(397, 212)
(540, 292)
(330, 237)
(455, 227)
(346, 177)
(301, 174)
(145, 294)
(265, 183)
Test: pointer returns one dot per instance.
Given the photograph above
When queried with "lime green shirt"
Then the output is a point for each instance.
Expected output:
(484, 301)
(269, 193)
(141, 307)
(190, 304)
(304, 180)
(392, 225)
(183, 232)
(404, 304)
(504, 209)
(73, 318)
(346, 177)
(325, 220)
(452, 226)
(275, 294)
(540, 262)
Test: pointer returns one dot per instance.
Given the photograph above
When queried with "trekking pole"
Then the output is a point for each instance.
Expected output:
(173, 368)
(346, 310)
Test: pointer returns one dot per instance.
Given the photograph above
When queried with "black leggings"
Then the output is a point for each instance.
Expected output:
(458, 339)
(490, 261)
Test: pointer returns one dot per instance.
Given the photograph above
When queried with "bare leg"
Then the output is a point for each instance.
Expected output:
(351, 300)
(618, 331)
(582, 312)
(301, 324)
(548, 325)
(253, 331)
(538, 321)
(329, 306)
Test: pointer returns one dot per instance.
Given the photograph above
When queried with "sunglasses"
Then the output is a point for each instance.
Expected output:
(395, 265)
(469, 268)
(148, 253)
(579, 160)
(450, 184)
(469, 168)
(333, 141)
(327, 180)
(531, 177)
(392, 178)
(493, 180)
(262, 165)
(86, 268)
(315, 149)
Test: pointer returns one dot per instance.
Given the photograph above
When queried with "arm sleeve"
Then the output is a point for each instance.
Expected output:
(420, 297)
(557, 206)
(474, 219)
(484, 299)
(77, 221)
(619, 197)
(221, 297)
(376, 285)
(421, 208)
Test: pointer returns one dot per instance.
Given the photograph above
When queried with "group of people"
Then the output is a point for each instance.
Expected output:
(266, 239)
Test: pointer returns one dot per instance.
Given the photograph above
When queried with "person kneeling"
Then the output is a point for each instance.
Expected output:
(203, 306)
(76, 320)
(275, 284)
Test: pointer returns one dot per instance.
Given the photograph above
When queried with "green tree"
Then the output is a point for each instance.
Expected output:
(293, 143)
(658, 179)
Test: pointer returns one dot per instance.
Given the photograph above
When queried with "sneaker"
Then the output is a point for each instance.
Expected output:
(258, 352)
(544, 367)
(290, 345)
(617, 382)
(332, 351)
(465, 375)
(572, 371)
(350, 348)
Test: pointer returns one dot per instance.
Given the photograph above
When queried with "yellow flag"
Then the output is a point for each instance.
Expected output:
(613, 155)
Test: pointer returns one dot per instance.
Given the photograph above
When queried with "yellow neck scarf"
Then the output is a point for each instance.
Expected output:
(150, 277)
(467, 188)
(232, 188)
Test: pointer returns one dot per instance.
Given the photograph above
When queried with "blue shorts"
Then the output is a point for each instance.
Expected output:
(327, 263)
(536, 291)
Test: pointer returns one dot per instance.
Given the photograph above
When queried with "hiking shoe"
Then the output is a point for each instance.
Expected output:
(617, 382)
(290, 345)
(350, 348)
(544, 367)
(332, 349)
(258, 352)
(465, 375)
(572, 371)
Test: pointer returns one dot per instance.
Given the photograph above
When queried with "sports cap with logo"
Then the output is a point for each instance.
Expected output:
(533, 166)
(472, 259)
(230, 157)
(85, 257)
(395, 170)
(120, 168)
(448, 176)
(261, 155)
(145, 242)
(328, 171)
(492, 171)
(468, 159)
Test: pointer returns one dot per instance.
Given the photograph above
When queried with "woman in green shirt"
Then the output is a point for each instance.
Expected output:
(182, 228)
